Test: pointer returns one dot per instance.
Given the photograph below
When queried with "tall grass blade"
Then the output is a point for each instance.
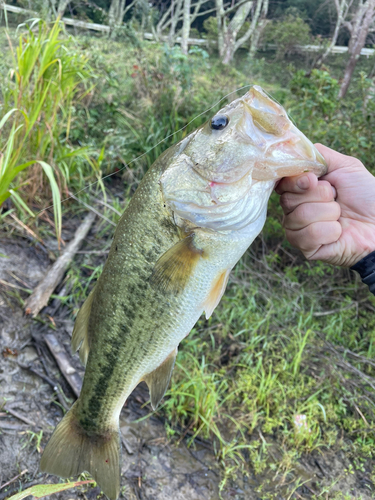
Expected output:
(19, 201)
(55, 196)
(6, 116)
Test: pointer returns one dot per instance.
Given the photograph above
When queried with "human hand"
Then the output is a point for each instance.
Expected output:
(331, 219)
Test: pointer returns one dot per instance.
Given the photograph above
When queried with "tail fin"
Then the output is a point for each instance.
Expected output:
(71, 451)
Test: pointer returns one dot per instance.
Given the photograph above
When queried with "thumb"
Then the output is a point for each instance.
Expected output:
(334, 159)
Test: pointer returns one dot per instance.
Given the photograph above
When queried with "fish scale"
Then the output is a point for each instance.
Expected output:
(194, 214)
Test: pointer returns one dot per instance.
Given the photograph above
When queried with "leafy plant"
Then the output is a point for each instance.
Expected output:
(345, 125)
(43, 490)
(287, 34)
(47, 79)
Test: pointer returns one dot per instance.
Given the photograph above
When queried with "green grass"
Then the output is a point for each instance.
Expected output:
(46, 80)
(264, 358)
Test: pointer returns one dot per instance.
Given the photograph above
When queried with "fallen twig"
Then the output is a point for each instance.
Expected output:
(19, 416)
(59, 353)
(55, 385)
(9, 426)
(335, 311)
(14, 488)
(127, 446)
(13, 479)
(56, 303)
(358, 357)
(342, 363)
(26, 228)
(5, 283)
(40, 296)
(339, 310)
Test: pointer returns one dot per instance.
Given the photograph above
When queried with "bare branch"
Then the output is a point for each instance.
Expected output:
(127, 8)
(252, 26)
(235, 7)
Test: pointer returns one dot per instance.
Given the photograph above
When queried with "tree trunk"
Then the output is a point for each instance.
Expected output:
(230, 35)
(228, 47)
(113, 13)
(359, 33)
(62, 6)
(342, 8)
(221, 26)
(162, 23)
(186, 27)
(259, 29)
(175, 17)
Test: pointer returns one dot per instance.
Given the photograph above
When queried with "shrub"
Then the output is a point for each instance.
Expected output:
(345, 125)
(286, 34)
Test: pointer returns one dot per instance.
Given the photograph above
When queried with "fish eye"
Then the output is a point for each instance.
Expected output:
(219, 122)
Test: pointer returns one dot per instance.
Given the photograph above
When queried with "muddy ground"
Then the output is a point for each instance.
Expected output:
(153, 466)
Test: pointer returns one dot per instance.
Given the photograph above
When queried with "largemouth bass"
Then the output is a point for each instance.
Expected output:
(196, 211)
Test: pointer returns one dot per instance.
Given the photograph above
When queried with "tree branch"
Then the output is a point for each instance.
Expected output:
(235, 7)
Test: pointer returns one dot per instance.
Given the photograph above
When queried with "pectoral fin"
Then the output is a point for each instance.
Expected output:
(159, 379)
(80, 337)
(217, 290)
(175, 267)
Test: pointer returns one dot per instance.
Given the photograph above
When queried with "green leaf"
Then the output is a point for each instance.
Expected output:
(18, 200)
(9, 176)
(42, 490)
(5, 117)
(55, 196)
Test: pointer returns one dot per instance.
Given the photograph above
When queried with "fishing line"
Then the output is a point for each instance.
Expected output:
(145, 153)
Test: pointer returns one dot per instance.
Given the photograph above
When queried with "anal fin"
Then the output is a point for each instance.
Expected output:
(80, 336)
(159, 379)
(216, 292)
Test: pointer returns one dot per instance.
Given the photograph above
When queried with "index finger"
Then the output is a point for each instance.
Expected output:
(298, 184)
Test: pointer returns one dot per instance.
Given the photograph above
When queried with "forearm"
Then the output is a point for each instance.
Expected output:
(366, 269)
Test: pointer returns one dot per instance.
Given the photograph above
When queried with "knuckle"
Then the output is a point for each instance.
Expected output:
(293, 238)
(288, 221)
(308, 254)
(303, 213)
(337, 210)
(313, 232)
(325, 191)
(337, 231)
(354, 162)
(286, 201)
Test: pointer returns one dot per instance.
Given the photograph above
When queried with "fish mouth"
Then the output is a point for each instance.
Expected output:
(288, 157)
(285, 150)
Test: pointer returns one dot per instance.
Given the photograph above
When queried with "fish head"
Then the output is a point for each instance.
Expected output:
(223, 177)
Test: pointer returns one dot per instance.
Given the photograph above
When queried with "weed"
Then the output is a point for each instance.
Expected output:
(38, 99)
(34, 439)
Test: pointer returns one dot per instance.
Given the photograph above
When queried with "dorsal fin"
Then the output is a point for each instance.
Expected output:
(176, 265)
(159, 379)
(80, 336)
(217, 290)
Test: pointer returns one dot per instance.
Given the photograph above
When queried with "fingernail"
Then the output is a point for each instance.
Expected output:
(303, 182)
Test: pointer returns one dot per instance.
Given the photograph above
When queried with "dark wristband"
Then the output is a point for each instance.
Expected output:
(366, 269)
